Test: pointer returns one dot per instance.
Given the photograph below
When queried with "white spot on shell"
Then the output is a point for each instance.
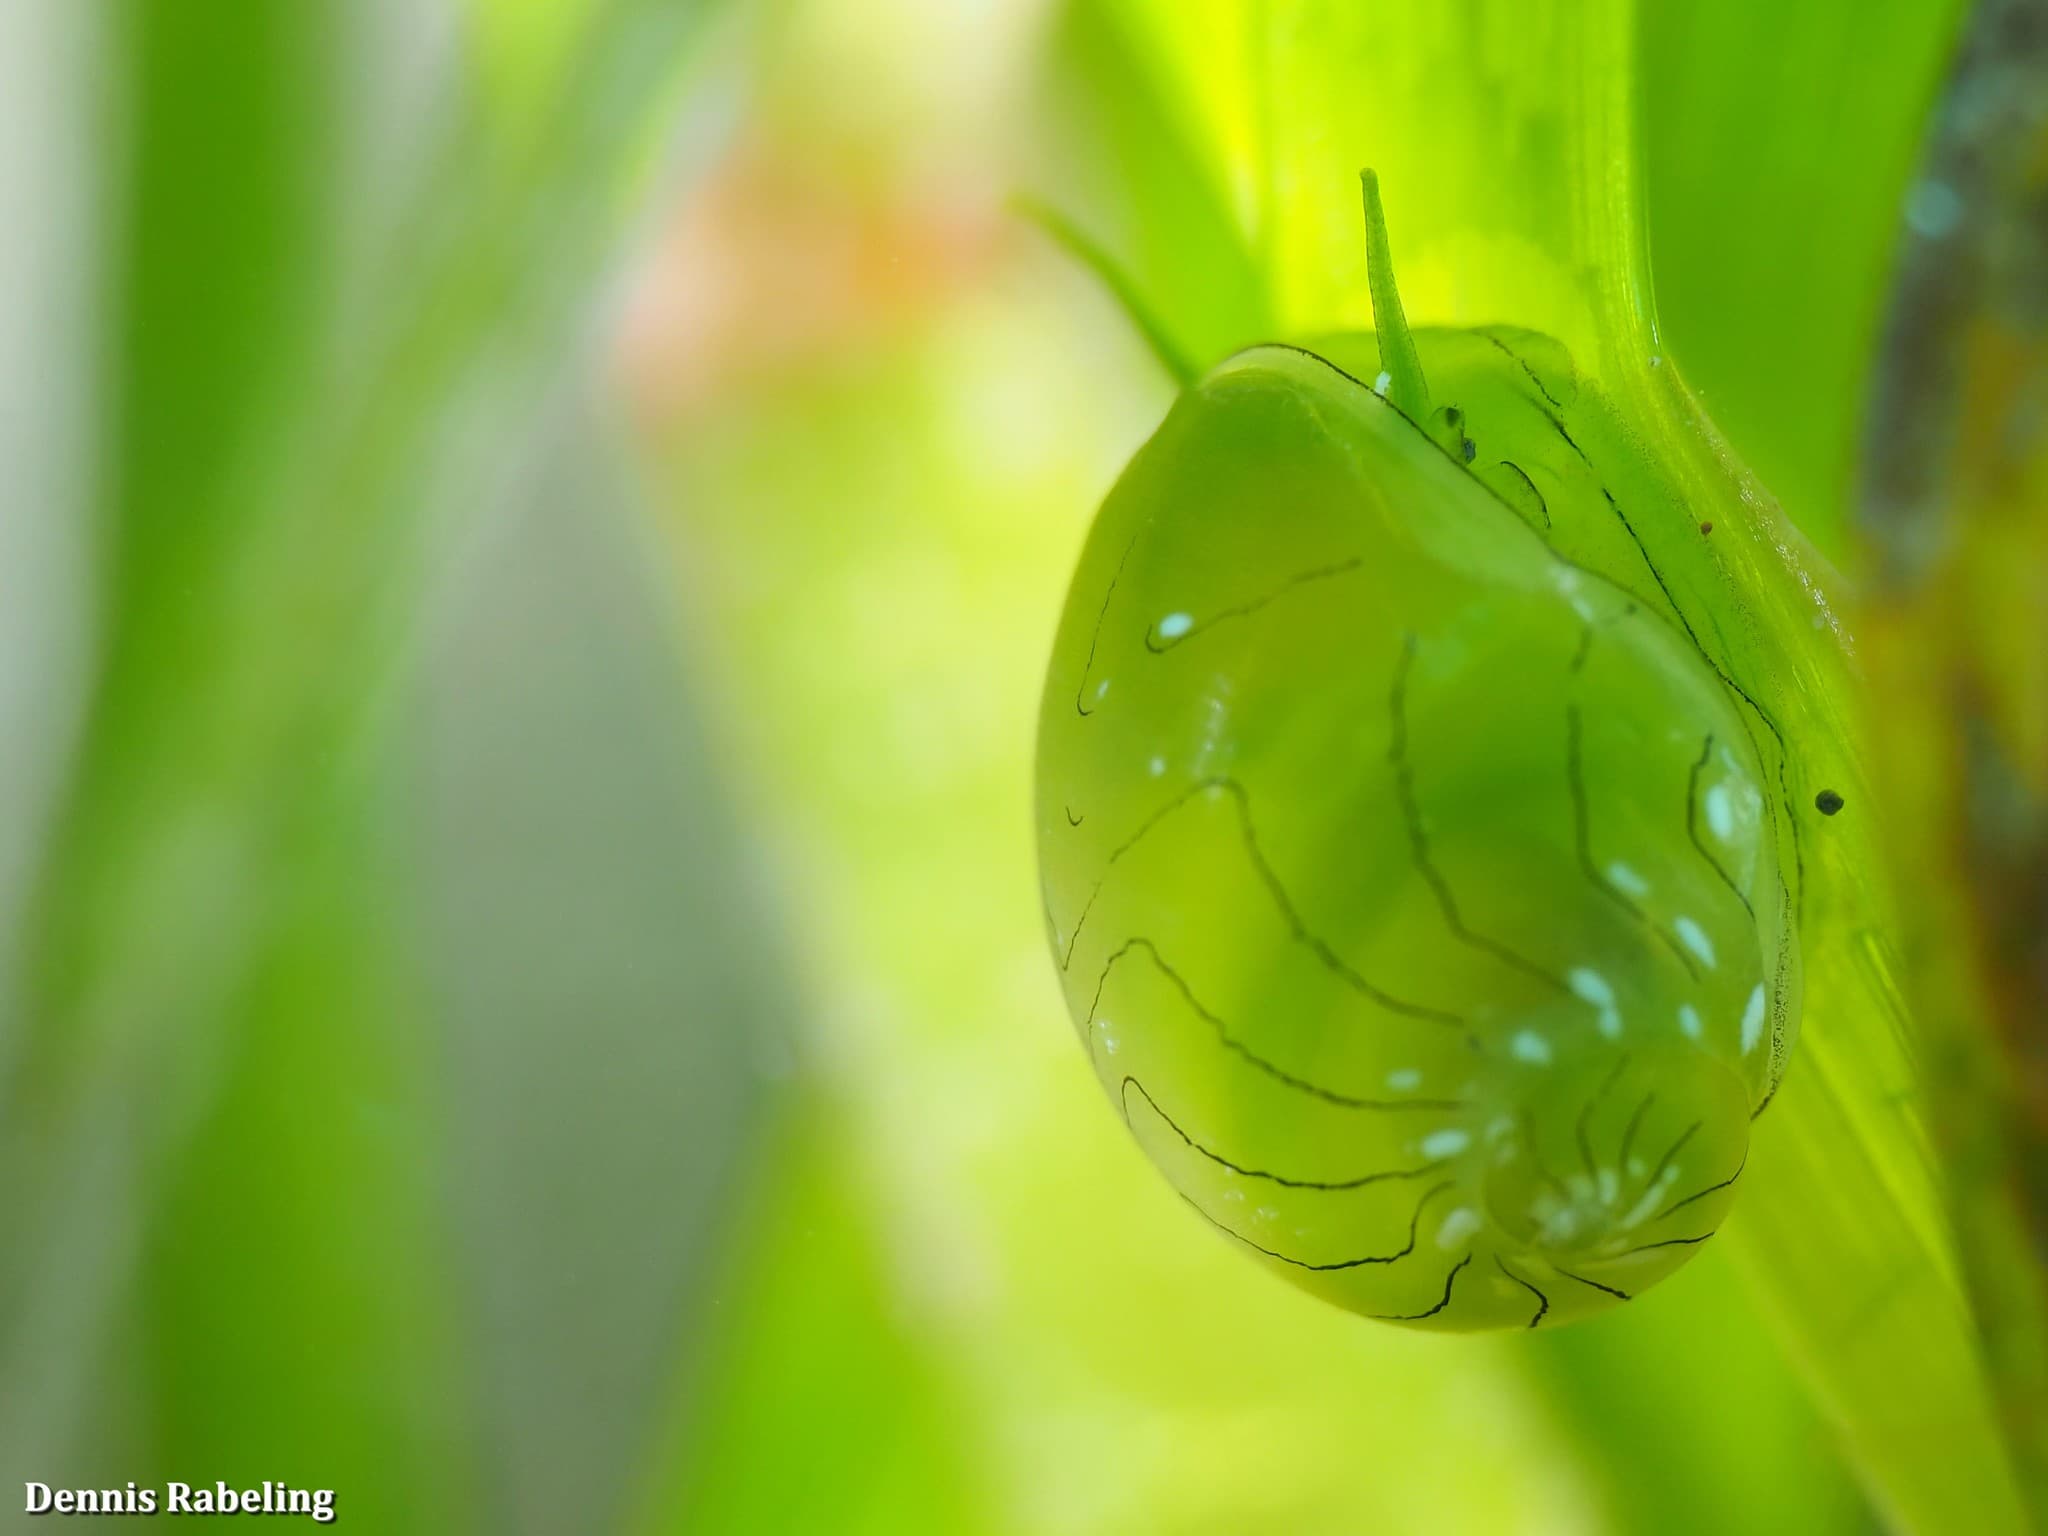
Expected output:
(1592, 986)
(1447, 1143)
(1530, 1046)
(1652, 1198)
(1720, 812)
(1458, 1226)
(1753, 1020)
(1627, 880)
(1694, 938)
(1689, 1021)
(1174, 625)
(1403, 1080)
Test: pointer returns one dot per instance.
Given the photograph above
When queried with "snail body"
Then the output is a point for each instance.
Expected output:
(1414, 867)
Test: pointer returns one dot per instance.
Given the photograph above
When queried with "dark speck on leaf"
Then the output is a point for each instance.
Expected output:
(1471, 450)
(1706, 527)
(1827, 802)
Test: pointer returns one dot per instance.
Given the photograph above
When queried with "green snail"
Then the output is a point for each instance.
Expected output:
(1421, 874)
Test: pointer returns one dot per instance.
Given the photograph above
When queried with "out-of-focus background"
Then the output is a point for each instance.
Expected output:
(529, 535)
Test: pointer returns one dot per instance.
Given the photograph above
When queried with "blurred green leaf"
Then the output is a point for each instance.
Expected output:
(1759, 121)
(262, 1162)
(592, 951)
(1685, 1407)
(819, 1409)
(1131, 165)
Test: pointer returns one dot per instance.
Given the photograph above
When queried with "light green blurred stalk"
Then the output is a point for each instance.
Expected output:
(373, 1038)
